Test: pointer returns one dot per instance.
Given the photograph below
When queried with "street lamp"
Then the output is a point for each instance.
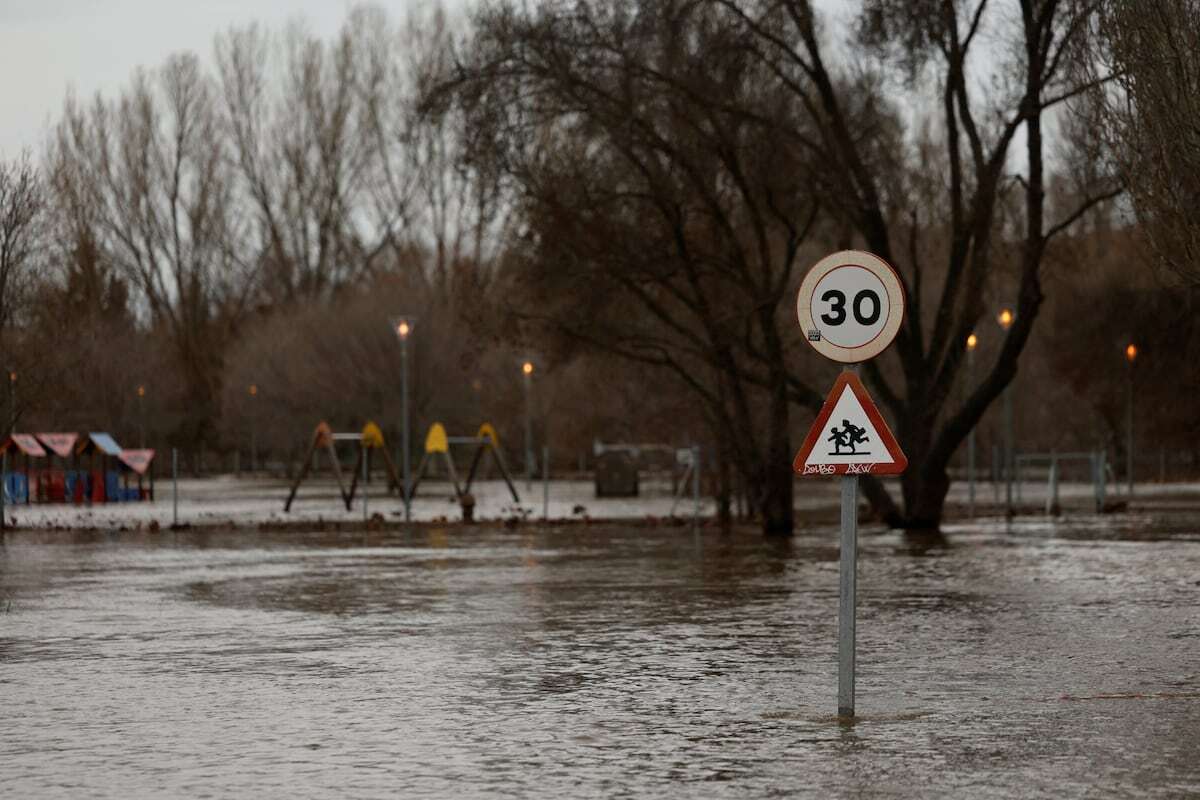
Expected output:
(141, 396)
(1005, 319)
(1131, 354)
(972, 343)
(12, 401)
(527, 370)
(403, 327)
(253, 392)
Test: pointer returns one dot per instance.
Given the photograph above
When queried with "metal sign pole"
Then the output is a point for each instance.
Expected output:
(847, 592)
(545, 482)
(696, 485)
(404, 425)
(1009, 456)
(847, 599)
(1129, 434)
(174, 487)
(528, 430)
(971, 435)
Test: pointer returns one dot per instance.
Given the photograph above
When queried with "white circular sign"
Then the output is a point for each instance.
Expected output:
(850, 306)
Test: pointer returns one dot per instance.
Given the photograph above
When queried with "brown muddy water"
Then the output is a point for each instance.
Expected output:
(1033, 660)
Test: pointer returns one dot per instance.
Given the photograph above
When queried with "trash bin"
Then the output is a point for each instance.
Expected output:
(616, 475)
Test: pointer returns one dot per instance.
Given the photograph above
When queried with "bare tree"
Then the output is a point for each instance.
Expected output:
(663, 209)
(451, 209)
(22, 225)
(984, 254)
(599, 124)
(23, 221)
(296, 110)
(1152, 118)
(153, 169)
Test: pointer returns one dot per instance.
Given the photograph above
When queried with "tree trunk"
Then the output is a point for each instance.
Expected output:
(778, 515)
(883, 506)
(777, 512)
(925, 498)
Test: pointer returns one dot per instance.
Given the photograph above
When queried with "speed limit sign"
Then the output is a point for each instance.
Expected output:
(850, 306)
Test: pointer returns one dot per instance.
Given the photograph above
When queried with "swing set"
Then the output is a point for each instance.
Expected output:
(437, 446)
(324, 439)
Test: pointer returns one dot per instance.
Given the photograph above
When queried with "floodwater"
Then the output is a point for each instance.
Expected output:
(1037, 660)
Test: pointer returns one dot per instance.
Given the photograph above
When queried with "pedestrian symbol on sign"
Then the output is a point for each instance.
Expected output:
(849, 436)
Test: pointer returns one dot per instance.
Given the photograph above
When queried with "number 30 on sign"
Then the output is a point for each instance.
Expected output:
(850, 306)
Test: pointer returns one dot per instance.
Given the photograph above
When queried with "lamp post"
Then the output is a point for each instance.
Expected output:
(141, 396)
(1131, 354)
(1006, 320)
(12, 401)
(527, 370)
(253, 392)
(972, 343)
(403, 327)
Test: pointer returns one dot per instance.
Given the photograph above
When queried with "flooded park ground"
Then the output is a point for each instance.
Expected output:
(1031, 659)
(231, 501)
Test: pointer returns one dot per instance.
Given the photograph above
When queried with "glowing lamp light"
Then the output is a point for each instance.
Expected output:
(972, 341)
(1005, 318)
(253, 390)
(1131, 352)
(403, 329)
(141, 391)
(527, 367)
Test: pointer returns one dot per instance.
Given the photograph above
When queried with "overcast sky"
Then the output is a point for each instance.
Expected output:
(47, 46)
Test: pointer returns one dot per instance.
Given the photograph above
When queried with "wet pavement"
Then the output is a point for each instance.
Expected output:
(1031, 660)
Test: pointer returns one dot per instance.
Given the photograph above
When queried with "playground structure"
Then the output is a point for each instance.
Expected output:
(324, 440)
(53, 470)
(437, 447)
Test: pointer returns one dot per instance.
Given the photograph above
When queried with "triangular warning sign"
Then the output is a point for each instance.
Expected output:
(849, 436)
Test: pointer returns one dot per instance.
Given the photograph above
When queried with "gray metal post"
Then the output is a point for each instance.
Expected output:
(1095, 480)
(141, 420)
(528, 431)
(696, 485)
(847, 599)
(1129, 434)
(1052, 507)
(3, 485)
(253, 449)
(174, 487)
(1008, 451)
(404, 425)
(1017, 477)
(545, 482)
(970, 441)
(1103, 482)
(996, 473)
(365, 474)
